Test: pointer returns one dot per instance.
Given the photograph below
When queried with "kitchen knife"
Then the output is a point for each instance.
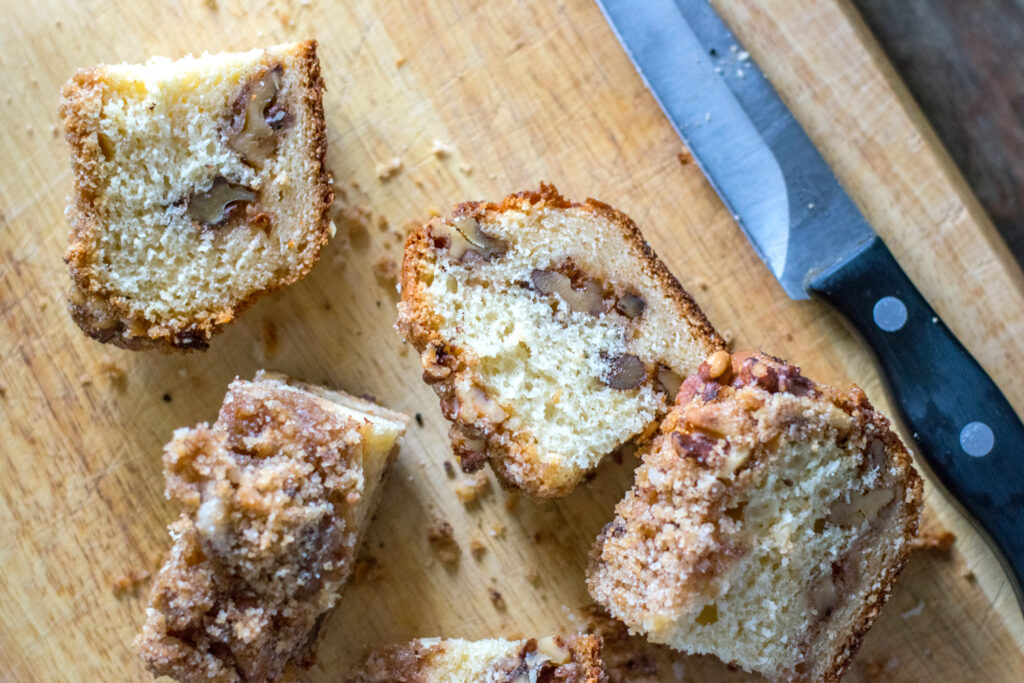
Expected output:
(816, 242)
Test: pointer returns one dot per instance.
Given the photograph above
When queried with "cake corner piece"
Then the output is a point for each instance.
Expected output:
(767, 524)
(199, 185)
(537, 319)
(276, 496)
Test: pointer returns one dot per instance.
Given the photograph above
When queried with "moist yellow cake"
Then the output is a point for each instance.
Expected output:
(199, 184)
(276, 495)
(576, 659)
(550, 331)
(766, 525)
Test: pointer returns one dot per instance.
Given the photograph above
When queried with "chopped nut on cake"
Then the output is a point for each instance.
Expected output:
(767, 524)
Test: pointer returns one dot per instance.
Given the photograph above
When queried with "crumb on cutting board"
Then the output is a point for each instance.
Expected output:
(440, 149)
(386, 270)
(113, 371)
(497, 600)
(935, 540)
(128, 582)
(389, 169)
(366, 569)
(442, 538)
(269, 338)
(469, 488)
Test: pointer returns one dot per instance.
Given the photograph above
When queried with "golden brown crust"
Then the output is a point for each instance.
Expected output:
(713, 413)
(109, 318)
(481, 440)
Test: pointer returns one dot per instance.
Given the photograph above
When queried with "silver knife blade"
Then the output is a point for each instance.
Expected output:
(757, 157)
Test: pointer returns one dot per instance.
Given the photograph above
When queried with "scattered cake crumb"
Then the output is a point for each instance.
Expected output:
(449, 469)
(685, 158)
(366, 569)
(269, 337)
(497, 600)
(477, 548)
(113, 371)
(386, 270)
(419, 423)
(470, 487)
(442, 538)
(439, 149)
(353, 220)
(497, 530)
(511, 501)
(128, 583)
(400, 60)
(466, 169)
(389, 169)
(434, 212)
(382, 223)
(937, 540)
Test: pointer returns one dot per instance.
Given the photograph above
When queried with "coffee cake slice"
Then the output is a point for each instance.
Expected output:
(199, 185)
(550, 331)
(276, 494)
(766, 525)
(575, 659)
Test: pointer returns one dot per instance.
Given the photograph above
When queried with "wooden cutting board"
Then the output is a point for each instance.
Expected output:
(516, 92)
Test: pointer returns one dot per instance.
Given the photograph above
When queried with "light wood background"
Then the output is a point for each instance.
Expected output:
(519, 92)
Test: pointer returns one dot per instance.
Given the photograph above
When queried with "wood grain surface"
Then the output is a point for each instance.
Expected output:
(964, 64)
(518, 92)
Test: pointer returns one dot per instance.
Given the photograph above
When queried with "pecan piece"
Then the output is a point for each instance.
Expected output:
(625, 372)
(213, 207)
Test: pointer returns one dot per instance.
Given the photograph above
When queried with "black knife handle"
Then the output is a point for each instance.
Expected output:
(968, 434)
